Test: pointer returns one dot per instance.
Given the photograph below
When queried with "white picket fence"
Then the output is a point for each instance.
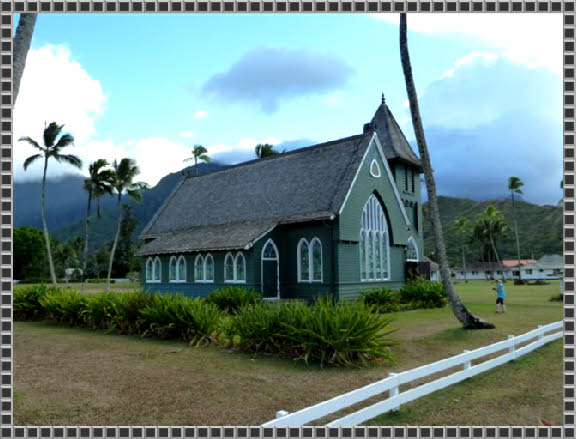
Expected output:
(395, 380)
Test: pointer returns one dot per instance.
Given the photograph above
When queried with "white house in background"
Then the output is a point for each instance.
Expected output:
(547, 267)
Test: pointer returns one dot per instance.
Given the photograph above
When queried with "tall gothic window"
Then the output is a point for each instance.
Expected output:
(235, 268)
(310, 260)
(411, 250)
(374, 242)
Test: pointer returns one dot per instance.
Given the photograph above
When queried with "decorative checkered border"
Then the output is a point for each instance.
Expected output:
(10, 7)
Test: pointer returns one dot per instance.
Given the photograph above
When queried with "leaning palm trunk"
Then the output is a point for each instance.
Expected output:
(45, 225)
(85, 256)
(22, 41)
(468, 320)
(119, 225)
(496, 256)
(517, 237)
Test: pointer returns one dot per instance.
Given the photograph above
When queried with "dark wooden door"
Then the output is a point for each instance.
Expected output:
(270, 279)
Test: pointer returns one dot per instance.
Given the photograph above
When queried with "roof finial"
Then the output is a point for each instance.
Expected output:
(383, 99)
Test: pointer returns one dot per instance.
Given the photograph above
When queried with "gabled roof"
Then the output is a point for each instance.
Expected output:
(512, 263)
(392, 138)
(233, 207)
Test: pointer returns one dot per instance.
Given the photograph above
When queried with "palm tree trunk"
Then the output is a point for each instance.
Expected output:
(119, 225)
(516, 233)
(464, 263)
(45, 225)
(22, 41)
(462, 314)
(496, 255)
(85, 257)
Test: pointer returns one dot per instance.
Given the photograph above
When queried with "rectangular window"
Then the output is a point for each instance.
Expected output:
(406, 170)
(516, 273)
(528, 271)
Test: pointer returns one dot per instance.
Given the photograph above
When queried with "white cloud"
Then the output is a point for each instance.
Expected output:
(54, 88)
(531, 39)
(187, 134)
(200, 114)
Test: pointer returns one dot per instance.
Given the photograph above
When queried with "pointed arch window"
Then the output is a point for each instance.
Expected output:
(373, 242)
(375, 169)
(199, 268)
(156, 270)
(235, 268)
(309, 260)
(149, 270)
(209, 268)
(411, 250)
(177, 269)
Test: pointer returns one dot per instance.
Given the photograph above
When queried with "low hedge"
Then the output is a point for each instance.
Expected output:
(418, 293)
(231, 299)
(333, 334)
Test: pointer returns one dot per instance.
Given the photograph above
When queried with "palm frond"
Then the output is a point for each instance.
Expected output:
(64, 141)
(68, 158)
(31, 141)
(204, 158)
(31, 160)
(51, 132)
(134, 194)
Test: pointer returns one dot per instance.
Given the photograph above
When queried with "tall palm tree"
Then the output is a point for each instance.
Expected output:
(123, 174)
(492, 226)
(22, 41)
(462, 228)
(265, 150)
(199, 153)
(98, 184)
(515, 187)
(54, 143)
(460, 311)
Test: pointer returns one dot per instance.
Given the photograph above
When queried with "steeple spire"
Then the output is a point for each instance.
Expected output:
(383, 99)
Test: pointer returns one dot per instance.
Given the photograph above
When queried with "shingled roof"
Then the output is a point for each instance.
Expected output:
(233, 207)
(392, 138)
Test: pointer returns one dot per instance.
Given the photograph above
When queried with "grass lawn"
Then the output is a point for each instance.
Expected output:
(92, 287)
(67, 376)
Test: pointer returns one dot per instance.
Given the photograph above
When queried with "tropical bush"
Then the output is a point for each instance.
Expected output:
(26, 302)
(64, 306)
(231, 299)
(383, 300)
(173, 316)
(335, 334)
(421, 293)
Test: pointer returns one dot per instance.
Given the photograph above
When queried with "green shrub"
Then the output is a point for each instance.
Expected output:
(383, 300)
(173, 316)
(231, 299)
(100, 310)
(343, 334)
(26, 305)
(64, 306)
(421, 293)
(557, 298)
(125, 315)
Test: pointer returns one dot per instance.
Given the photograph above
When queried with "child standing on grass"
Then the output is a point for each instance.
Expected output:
(500, 296)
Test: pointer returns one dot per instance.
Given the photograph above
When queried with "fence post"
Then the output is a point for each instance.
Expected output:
(281, 414)
(468, 363)
(512, 347)
(394, 391)
(540, 333)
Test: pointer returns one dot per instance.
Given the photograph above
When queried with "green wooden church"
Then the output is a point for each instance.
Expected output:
(330, 219)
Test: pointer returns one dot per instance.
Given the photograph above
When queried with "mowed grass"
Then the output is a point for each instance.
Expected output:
(117, 287)
(67, 376)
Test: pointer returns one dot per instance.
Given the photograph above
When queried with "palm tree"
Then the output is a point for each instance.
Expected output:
(123, 174)
(22, 41)
(492, 226)
(462, 314)
(199, 153)
(51, 149)
(515, 187)
(265, 150)
(462, 229)
(98, 184)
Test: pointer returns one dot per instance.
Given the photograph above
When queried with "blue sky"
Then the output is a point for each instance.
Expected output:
(150, 86)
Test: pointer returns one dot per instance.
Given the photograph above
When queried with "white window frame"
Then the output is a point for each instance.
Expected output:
(277, 259)
(411, 239)
(373, 221)
(209, 281)
(156, 277)
(150, 262)
(235, 279)
(310, 261)
(179, 260)
(375, 174)
(199, 260)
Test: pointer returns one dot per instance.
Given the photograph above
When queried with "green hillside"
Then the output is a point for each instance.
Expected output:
(540, 228)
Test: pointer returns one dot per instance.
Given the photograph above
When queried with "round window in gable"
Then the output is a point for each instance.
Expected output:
(374, 169)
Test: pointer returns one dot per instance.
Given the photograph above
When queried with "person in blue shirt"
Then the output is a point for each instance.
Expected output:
(501, 295)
